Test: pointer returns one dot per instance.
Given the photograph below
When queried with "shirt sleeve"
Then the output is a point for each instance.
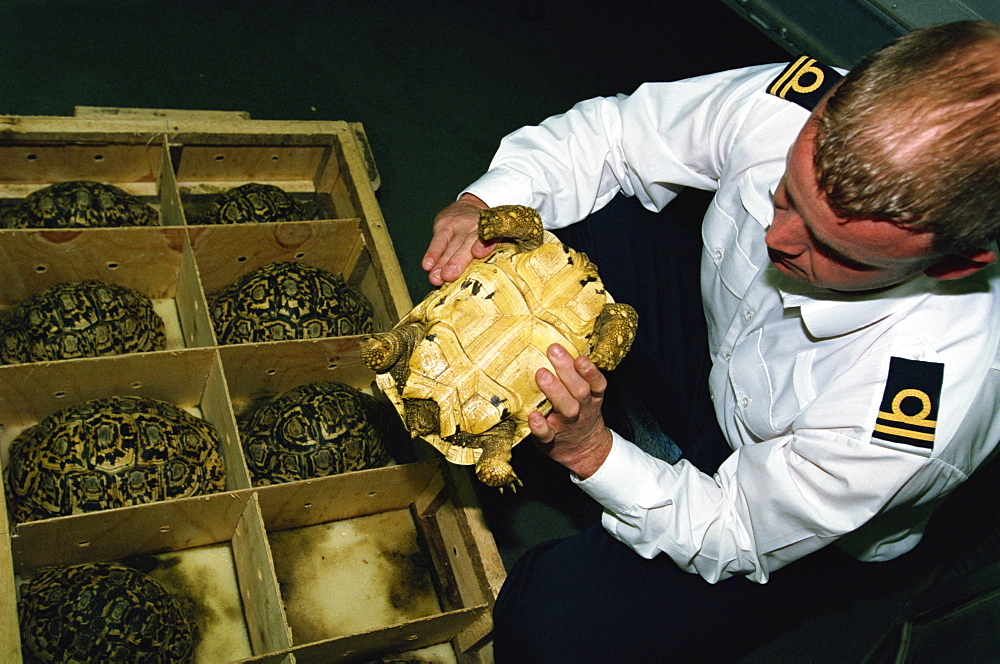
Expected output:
(663, 137)
(770, 502)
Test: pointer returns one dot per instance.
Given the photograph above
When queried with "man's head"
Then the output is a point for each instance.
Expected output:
(898, 171)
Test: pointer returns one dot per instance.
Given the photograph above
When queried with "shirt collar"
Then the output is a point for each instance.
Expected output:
(827, 313)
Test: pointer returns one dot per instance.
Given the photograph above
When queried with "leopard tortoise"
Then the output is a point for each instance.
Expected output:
(288, 300)
(79, 204)
(460, 367)
(104, 612)
(253, 203)
(111, 452)
(313, 430)
(75, 319)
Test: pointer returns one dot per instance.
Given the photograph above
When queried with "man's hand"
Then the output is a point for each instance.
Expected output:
(456, 240)
(574, 433)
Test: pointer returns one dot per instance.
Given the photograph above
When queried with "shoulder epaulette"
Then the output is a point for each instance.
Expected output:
(907, 417)
(804, 82)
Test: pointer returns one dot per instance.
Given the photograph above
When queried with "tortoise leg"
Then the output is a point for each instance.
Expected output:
(422, 416)
(514, 223)
(391, 350)
(493, 467)
(614, 331)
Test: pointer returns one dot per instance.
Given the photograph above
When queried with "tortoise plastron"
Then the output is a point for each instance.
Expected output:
(460, 367)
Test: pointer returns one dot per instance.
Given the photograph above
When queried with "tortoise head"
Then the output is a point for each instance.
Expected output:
(518, 224)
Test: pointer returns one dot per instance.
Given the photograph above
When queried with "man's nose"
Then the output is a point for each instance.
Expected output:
(787, 234)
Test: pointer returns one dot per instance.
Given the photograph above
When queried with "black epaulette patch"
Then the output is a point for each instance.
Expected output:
(909, 411)
(805, 81)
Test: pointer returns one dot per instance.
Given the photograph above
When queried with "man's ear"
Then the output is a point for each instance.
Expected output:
(956, 266)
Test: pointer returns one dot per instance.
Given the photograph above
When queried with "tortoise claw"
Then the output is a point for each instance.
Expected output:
(512, 486)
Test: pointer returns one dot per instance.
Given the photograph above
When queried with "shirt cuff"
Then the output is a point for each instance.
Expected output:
(628, 478)
(502, 185)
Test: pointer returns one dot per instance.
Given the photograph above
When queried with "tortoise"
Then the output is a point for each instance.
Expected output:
(253, 203)
(80, 204)
(313, 430)
(111, 452)
(104, 612)
(288, 300)
(460, 366)
(80, 319)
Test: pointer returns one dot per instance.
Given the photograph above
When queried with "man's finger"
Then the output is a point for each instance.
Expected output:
(563, 403)
(566, 370)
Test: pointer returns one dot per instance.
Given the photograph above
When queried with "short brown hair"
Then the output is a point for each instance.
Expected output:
(912, 135)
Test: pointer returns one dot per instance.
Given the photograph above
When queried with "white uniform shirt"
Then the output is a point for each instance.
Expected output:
(798, 373)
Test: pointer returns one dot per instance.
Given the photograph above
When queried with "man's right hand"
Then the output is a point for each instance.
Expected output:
(456, 240)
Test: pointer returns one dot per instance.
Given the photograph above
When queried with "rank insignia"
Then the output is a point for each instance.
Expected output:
(805, 81)
(909, 411)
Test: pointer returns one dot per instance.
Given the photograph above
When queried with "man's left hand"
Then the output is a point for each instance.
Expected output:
(574, 433)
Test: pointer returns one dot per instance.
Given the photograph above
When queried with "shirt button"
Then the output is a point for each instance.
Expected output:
(728, 357)
(747, 315)
(745, 401)
(718, 254)
(711, 396)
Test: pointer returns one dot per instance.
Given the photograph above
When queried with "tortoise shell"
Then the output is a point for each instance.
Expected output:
(288, 300)
(103, 612)
(314, 430)
(80, 319)
(111, 452)
(80, 204)
(253, 203)
(460, 367)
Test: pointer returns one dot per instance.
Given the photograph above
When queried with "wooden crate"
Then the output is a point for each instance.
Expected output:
(176, 160)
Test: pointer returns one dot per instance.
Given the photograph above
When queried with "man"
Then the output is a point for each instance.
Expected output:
(852, 298)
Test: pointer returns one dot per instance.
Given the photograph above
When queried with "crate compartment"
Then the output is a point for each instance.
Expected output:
(255, 372)
(197, 547)
(205, 172)
(192, 380)
(135, 168)
(225, 253)
(313, 170)
(372, 565)
(321, 530)
(157, 262)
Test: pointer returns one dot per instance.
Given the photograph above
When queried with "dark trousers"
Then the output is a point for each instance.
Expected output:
(589, 598)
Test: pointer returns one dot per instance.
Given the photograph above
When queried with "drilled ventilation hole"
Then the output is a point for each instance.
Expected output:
(113, 266)
(300, 256)
(59, 395)
(136, 385)
(372, 494)
(307, 505)
(271, 372)
(41, 268)
(164, 529)
(241, 259)
(31, 156)
(332, 366)
(274, 157)
(83, 544)
(220, 157)
(98, 157)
